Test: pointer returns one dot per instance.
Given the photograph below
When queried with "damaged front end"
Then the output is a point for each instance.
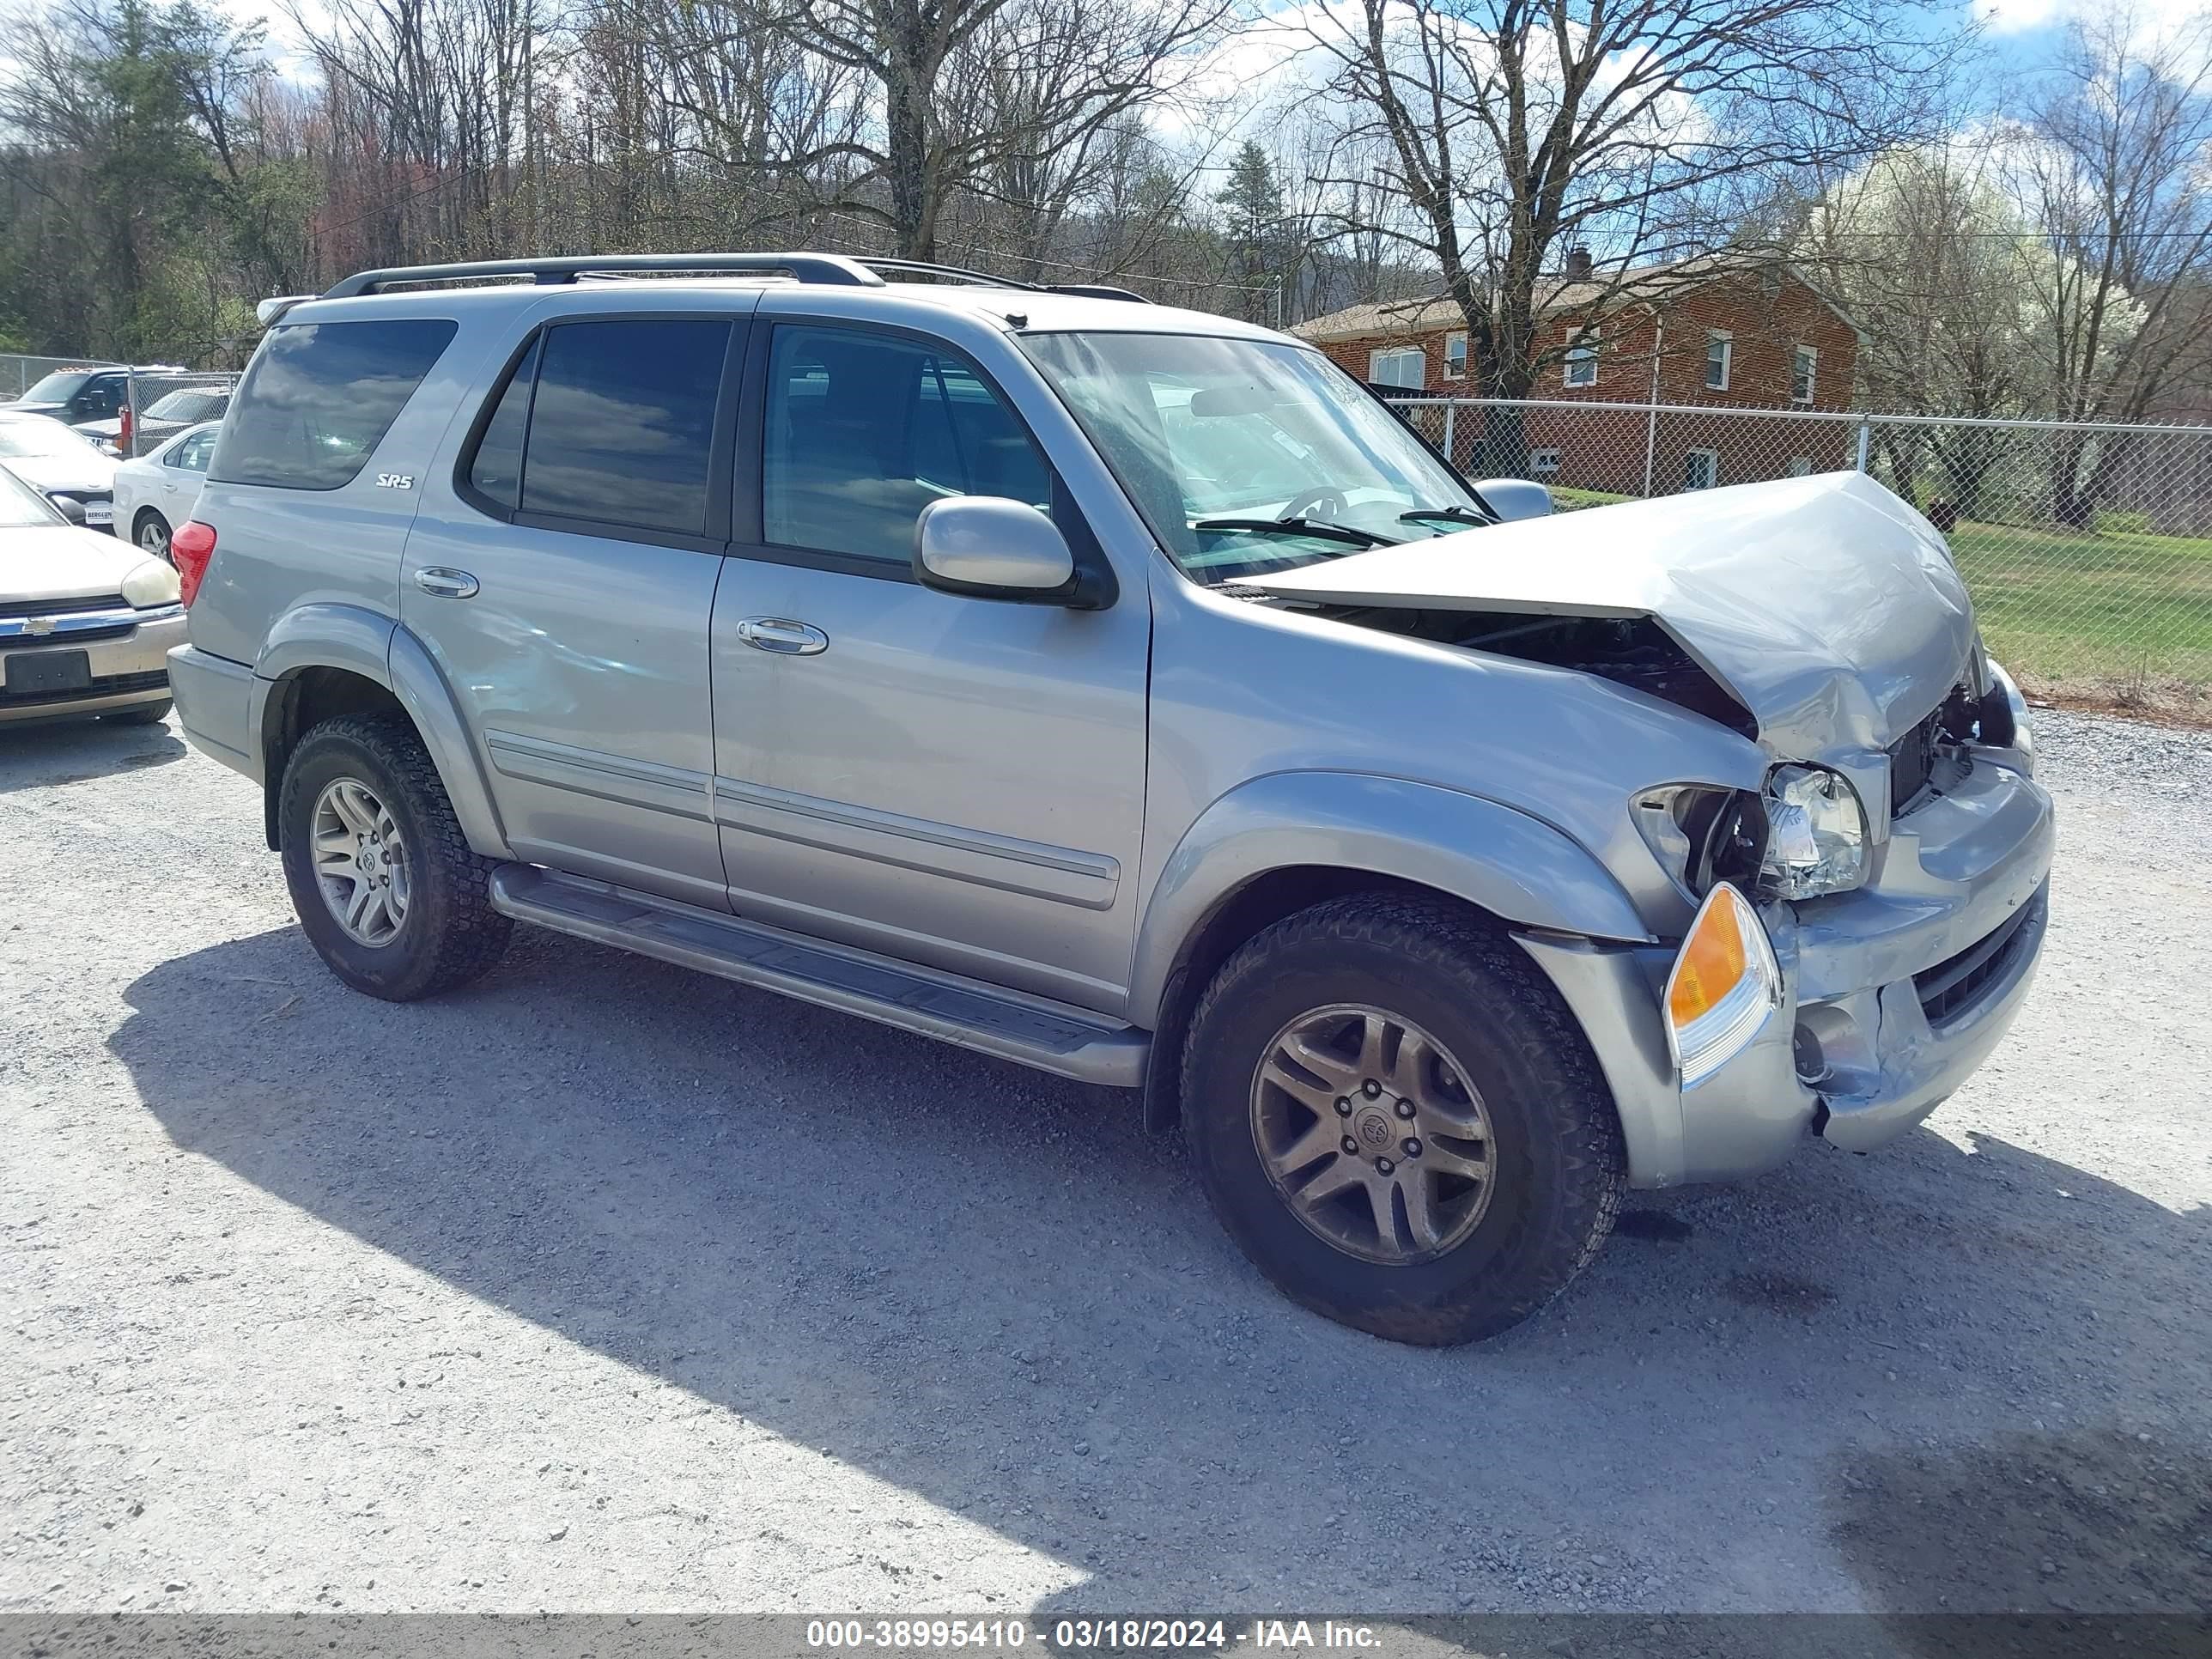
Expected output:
(1847, 942)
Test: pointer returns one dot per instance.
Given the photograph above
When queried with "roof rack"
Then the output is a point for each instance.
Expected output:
(830, 267)
(835, 270)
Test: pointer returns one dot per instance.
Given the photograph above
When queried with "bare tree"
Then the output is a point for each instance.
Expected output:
(1081, 65)
(1640, 131)
(2112, 158)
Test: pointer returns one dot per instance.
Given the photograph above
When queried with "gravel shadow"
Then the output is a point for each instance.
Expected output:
(993, 1289)
(54, 752)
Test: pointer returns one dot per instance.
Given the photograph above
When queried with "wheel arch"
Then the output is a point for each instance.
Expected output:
(324, 661)
(1282, 844)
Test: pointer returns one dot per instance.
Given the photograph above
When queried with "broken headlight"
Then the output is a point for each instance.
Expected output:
(1816, 833)
(1701, 834)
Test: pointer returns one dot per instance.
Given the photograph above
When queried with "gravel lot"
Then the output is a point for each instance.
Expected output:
(605, 1286)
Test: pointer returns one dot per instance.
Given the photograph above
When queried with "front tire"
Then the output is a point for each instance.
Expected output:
(146, 713)
(1399, 1122)
(381, 877)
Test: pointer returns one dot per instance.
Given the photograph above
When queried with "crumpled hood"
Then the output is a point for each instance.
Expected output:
(1826, 606)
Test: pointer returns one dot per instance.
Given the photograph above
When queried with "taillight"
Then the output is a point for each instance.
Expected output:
(123, 431)
(190, 549)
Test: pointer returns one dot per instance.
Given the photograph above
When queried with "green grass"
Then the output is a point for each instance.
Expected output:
(2077, 611)
(1567, 500)
(2066, 607)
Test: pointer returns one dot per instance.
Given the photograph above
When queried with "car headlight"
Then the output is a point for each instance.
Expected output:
(1816, 833)
(1700, 833)
(151, 583)
(68, 506)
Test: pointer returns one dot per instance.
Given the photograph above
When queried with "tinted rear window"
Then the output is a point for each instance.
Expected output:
(320, 398)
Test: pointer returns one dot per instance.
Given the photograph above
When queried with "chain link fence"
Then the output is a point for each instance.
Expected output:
(19, 373)
(163, 403)
(2088, 547)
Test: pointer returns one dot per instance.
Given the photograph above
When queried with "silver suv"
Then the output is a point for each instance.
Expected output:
(1128, 693)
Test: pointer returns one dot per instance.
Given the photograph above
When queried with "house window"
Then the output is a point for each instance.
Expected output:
(1455, 357)
(1582, 360)
(1720, 358)
(1803, 368)
(1541, 461)
(1800, 466)
(1405, 366)
(1701, 469)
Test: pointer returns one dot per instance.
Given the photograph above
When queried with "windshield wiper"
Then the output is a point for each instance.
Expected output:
(1316, 527)
(1449, 514)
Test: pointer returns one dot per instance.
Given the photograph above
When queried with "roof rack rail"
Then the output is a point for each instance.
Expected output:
(837, 270)
(931, 268)
(826, 268)
(1097, 291)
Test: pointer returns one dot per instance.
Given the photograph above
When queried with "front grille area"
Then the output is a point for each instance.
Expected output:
(1912, 762)
(107, 685)
(1951, 988)
(75, 637)
(1914, 757)
(13, 609)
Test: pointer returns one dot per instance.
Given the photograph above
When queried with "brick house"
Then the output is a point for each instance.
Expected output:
(1704, 331)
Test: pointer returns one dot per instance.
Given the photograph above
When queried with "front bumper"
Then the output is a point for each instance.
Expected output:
(1892, 994)
(126, 650)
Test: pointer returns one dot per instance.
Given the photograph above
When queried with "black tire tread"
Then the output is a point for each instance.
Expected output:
(1447, 940)
(474, 935)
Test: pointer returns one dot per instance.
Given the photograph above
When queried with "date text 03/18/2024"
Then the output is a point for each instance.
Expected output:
(1118, 1635)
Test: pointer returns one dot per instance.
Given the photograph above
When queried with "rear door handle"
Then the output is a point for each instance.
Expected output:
(782, 636)
(446, 584)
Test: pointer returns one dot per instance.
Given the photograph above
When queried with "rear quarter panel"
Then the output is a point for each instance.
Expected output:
(278, 550)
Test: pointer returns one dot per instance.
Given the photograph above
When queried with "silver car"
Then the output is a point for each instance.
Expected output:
(86, 621)
(1128, 693)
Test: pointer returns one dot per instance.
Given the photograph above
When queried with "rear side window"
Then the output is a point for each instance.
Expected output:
(191, 455)
(320, 398)
(496, 472)
(621, 423)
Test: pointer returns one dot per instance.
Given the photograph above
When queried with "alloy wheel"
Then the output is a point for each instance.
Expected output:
(361, 862)
(154, 537)
(1372, 1135)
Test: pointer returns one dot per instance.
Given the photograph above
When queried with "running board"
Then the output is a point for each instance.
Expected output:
(1049, 1036)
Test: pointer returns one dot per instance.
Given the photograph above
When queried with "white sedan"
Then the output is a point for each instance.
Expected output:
(155, 493)
(62, 465)
(86, 620)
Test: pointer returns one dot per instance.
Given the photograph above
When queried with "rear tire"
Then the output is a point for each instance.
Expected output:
(151, 533)
(387, 837)
(1472, 1164)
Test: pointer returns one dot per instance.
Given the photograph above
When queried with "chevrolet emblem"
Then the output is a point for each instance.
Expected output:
(38, 625)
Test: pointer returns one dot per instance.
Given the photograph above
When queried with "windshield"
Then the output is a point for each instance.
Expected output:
(1202, 430)
(187, 405)
(58, 387)
(22, 507)
(39, 436)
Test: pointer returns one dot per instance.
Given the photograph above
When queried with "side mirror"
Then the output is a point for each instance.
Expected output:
(989, 547)
(1516, 498)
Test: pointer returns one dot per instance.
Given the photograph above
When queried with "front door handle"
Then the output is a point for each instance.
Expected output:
(446, 584)
(782, 636)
